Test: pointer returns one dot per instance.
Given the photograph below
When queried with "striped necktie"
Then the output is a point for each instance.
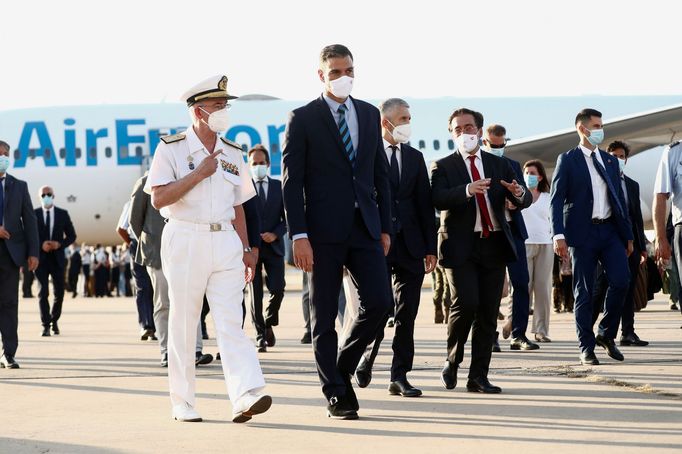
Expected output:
(345, 133)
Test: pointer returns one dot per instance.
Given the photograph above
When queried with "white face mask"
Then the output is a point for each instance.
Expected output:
(218, 121)
(401, 133)
(4, 163)
(341, 87)
(467, 142)
(259, 172)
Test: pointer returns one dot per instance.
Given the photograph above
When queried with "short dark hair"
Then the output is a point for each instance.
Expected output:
(585, 114)
(334, 51)
(496, 130)
(543, 186)
(619, 144)
(4, 144)
(262, 149)
(478, 116)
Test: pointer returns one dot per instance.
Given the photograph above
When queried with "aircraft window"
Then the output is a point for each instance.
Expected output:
(107, 152)
(17, 154)
(78, 153)
(245, 148)
(93, 153)
(32, 153)
(62, 153)
(123, 152)
(47, 153)
(422, 144)
(274, 148)
(451, 144)
(436, 145)
(138, 151)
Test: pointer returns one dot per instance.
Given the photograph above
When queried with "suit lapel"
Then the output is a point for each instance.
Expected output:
(328, 120)
(580, 162)
(362, 116)
(461, 167)
(9, 185)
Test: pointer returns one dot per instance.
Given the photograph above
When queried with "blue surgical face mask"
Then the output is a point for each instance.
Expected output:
(621, 164)
(496, 151)
(47, 201)
(4, 163)
(596, 136)
(259, 171)
(531, 181)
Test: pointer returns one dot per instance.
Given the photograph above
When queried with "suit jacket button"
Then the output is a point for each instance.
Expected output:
(393, 219)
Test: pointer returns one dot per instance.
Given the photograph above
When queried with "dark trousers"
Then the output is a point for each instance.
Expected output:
(677, 250)
(9, 301)
(518, 276)
(144, 297)
(274, 281)
(115, 278)
(603, 245)
(628, 314)
(86, 278)
(50, 268)
(364, 258)
(406, 275)
(73, 280)
(305, 303)
(27, 283)
(477, 288)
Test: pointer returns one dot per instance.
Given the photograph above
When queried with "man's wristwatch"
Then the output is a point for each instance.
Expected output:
(247, 249)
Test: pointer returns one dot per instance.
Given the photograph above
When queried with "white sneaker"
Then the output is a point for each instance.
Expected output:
(250, 404)
(186, 413)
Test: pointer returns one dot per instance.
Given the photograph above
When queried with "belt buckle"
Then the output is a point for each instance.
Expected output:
(215, 227)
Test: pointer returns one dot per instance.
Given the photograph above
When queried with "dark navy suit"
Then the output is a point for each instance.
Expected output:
(270, 257)
(414, 238)
(19, 219)
(572, 200)
(518, 269)
(343, 208)
(53, 263)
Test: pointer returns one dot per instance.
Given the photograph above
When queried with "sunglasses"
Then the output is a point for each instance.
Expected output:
(47, 194)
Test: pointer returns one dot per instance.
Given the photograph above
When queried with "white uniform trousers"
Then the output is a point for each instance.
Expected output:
(197, 263)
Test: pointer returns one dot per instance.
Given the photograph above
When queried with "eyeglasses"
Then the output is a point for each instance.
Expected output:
(468, 129)
(47, 194)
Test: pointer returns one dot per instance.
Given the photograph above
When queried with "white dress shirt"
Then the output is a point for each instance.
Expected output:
(266, 183)
(398, 155)
(51, 226)
(601, 208)
(479, 166)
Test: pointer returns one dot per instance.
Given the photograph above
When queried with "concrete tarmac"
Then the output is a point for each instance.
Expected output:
(97, 388)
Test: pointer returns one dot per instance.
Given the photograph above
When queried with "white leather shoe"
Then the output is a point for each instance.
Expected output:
(186, 413)
(250, 404)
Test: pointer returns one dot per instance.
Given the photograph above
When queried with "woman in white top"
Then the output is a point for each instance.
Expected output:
(539, 249)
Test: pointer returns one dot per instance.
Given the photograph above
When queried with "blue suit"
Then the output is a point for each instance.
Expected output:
(589, 242)
(343, 207)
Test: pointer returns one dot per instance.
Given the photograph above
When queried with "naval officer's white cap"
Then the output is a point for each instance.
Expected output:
(213, 87)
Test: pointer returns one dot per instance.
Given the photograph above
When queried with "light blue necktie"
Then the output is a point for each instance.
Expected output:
(345, 133)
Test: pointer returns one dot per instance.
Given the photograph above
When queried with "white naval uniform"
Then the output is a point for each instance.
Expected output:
(198, 261)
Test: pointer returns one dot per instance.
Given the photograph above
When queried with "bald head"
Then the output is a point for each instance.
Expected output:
(46, 195)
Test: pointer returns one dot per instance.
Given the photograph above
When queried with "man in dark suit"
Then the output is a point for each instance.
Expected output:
(271, 253)
(75, 265)
(475, 242)
(18, 247)
(494, 142)
(413, 246)
(589, 216)
(56, 233)
(620, 150)
(337, 201)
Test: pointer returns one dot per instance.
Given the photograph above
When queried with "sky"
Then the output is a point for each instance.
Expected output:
(71, 52)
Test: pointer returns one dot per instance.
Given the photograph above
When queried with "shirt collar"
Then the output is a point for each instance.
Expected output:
(388, 144)
(334, 106)
(195, 144)
(586, 151)
(466, 155)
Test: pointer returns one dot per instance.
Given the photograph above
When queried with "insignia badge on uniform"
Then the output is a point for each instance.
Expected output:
(229, 167)
(190, 160)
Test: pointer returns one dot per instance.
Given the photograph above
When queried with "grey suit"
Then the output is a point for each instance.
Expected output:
(20, 221)
(147, 224)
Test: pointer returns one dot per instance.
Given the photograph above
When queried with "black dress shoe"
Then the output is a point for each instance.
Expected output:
(523, 343)
(482, 385)
(202, 359)
(363, 374)
(391, 322)
(8, 362)
(339, 408)
(146, 333)
(588, 358)
(403, 388)
(350, 396)
(270, 337)
(449, 375)
(307, 339)
(633, 340)
(262, 346)
(55, 328)
(46, 331)
(496, 343)
(610, 347)
(164, 360)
